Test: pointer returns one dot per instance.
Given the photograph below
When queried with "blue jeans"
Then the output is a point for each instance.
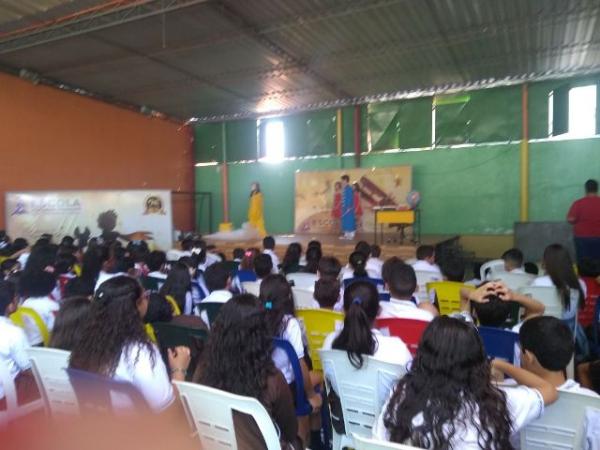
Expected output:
(587, 248)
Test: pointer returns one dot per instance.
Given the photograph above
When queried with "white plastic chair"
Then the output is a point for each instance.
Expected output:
(424, 277)
(13, 409)
(363, 443)
(561, 425)
(494, 266)
(302, 280)
(210, 414)
(515, 281)
(362, 392)
(303, 299)
(251, 287)
(549, 296)
(48, 365)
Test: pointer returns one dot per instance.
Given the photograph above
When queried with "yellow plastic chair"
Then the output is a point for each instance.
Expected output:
(18, 318)
(448, 295)
(150, 332)
(318, 324)
(174, 305)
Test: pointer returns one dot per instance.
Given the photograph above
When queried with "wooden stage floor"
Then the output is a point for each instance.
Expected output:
(333, 246)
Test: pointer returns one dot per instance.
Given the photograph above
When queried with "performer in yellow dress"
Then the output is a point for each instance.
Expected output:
(255, 210)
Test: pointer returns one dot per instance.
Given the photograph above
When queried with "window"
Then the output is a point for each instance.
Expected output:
(582, 111)
(274, 141)
(572, 111)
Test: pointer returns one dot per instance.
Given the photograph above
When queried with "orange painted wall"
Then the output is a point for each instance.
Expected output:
(50, 139)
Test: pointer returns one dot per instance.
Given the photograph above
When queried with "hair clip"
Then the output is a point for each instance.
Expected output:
(269, 305)
(357, 300)
(100, 294)
(248, 254)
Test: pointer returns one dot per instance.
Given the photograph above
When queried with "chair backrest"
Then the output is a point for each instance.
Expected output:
(246, 275)
(549, 296)
(561, 425)
(424, 277)
(251, 287)
(210, 414)
(169, 335)
(494, 266)
(302, 280)
(364, 443)
(10, 395)
(362, 392)
(49, 369)
(303, 407)
(319, 323)
(95, 393)
(377, 282)
(499, 343)
(409, 330)
(303, 299)
(212, 310)
(448, 295)
(22, 314)
(174, 306)
(515, 280)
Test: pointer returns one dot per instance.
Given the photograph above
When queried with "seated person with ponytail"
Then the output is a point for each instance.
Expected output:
(359, 337)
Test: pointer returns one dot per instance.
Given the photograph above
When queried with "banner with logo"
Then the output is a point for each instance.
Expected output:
(318, 196)
(132, 214)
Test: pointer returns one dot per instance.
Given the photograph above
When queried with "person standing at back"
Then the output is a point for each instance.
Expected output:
(584, 215)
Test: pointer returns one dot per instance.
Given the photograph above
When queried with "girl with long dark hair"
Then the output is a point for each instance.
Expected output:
(291, 260)
(560, 273)
(114, 344)
(178, 286)
(447, 399)
(238, 360)
(359, 337)
(71, 318)
(313, 256)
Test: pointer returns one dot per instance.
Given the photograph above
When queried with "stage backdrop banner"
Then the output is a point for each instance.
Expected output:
(316, 210)
(31, 214)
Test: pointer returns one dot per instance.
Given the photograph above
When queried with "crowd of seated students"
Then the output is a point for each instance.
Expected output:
(449, 397)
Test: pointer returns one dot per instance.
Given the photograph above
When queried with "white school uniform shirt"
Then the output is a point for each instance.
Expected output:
(389, 348)
(218, 296)
(574, 387)
(13, 343)
(546, 281)
(157, 274)
(423, 265)
(46, 308)
(104, 276)
(374, 267)
(293, 334)
(135, 366)
(403, 309)
(524, 406)
(274, 259)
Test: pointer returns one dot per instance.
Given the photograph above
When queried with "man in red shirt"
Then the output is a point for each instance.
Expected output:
(585, 217)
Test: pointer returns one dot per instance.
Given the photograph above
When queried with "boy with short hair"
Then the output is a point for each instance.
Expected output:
(401, 281)
(218, 282)
(513, 260)
(426, 259)
(547, 347)
(269, 249)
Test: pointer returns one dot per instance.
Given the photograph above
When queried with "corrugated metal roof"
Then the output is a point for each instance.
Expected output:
(245, 57)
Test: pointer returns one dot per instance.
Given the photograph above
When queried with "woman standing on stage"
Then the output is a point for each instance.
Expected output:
(348, 218)
(255, 210)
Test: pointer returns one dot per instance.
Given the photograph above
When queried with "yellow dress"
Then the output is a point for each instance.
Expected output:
(255, 213)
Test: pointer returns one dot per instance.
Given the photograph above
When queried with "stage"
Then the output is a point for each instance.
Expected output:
(334, 246)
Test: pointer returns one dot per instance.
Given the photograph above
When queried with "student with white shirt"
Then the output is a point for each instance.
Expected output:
(359, 337)
(426, 259)
(513, 260)
(157, 264)
(447, 399)
(178, 286)
(263, 267)
(218, 282)
(326, 294)
(375, 263)
(114, 343)
(401, 281)
(35, 288)
(13, 344)
(269, 249)
(560, 273)
(547, 346)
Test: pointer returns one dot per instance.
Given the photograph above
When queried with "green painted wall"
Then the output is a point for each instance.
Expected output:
(465, 190)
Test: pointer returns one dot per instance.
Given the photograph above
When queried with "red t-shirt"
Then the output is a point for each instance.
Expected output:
(586, 212)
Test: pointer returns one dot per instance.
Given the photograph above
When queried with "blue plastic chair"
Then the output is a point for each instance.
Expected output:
(93, 392)
(499, 343)
(303, 407)
(246, 275)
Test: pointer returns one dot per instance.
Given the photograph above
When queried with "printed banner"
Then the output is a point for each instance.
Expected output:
(133, 214)
(317, 196)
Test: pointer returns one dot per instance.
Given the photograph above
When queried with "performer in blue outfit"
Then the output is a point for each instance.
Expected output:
(348, 218)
